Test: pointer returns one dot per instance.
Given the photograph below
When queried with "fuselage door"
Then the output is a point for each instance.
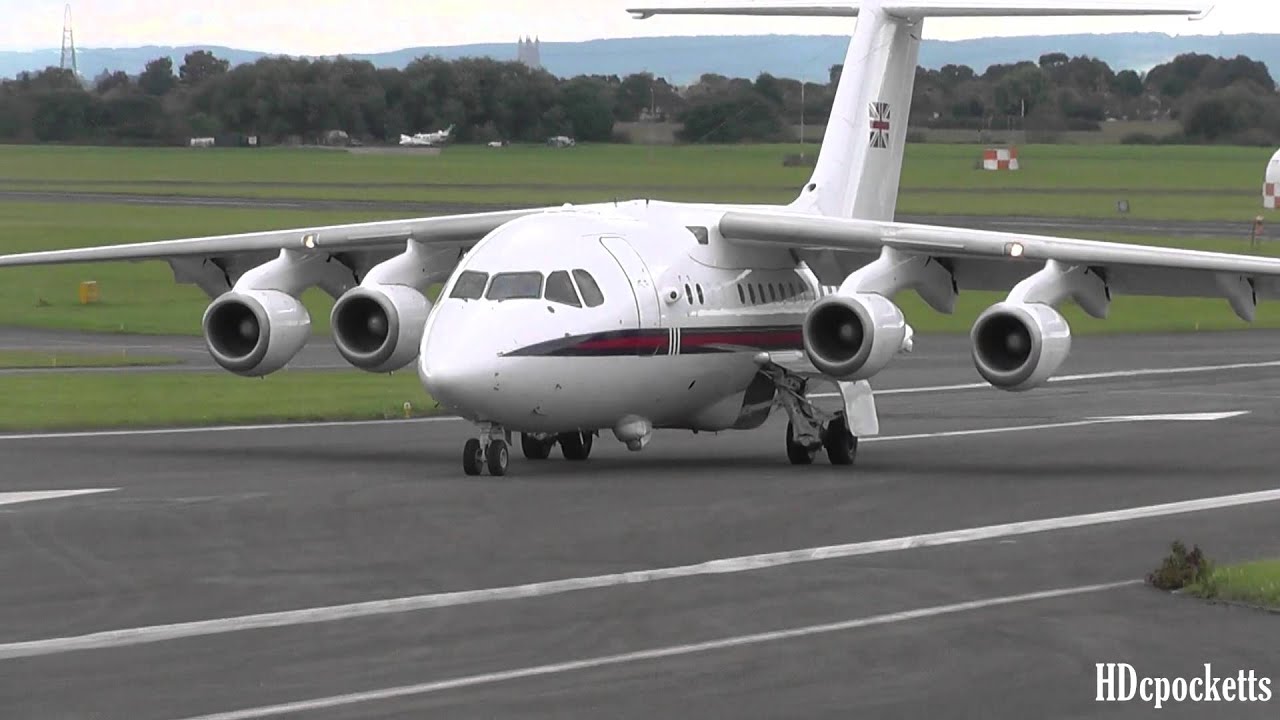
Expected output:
(642, 283)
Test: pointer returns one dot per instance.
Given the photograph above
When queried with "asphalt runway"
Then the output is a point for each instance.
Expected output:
(904, 593)
(1030, 225)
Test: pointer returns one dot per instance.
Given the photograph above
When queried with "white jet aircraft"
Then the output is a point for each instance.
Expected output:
(630, 316)
(431, 139)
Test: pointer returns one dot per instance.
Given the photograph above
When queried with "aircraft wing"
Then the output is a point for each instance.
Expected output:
(987, 260)
(216, 263)
(931, 8)
(446, 230)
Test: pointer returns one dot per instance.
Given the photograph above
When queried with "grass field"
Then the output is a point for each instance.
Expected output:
(1144, 204)
(1048, 167)
(90, 400)
(1256, 583)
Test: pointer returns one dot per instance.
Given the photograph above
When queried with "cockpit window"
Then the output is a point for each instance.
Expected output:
(515, 286)
(591, 294)
(470, 285)
(560, 289)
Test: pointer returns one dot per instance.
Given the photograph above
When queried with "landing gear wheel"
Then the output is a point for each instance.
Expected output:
(496, 457)
(535, 449)
(575, 445)
(797, 453)
(472, 457)
(841, 445)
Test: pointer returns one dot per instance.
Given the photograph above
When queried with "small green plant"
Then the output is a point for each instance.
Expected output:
(1181, 568)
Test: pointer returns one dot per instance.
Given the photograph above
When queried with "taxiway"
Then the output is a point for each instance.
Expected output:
(351, 571)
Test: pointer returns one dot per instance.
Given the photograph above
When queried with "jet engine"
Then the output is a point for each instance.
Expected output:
(255, 332)
(853, 337)
(1019, 346)
(379, 328)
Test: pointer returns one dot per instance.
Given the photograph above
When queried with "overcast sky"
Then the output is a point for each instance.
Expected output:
(330, 27)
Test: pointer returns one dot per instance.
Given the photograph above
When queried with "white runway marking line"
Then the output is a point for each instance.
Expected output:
(13, 498)
(1111, 375)
(221, 428)
(653, 654)
(159, 633)
(1112, 420)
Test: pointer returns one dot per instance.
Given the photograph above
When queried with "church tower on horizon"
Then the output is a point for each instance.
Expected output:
(529, 52)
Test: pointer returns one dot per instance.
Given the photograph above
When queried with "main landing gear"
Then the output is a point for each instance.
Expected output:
(840, 444)
(492, 449)
(809, 429)
(573, 445)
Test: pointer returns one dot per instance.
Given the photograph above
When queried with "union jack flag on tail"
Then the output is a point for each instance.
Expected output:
(880, 116)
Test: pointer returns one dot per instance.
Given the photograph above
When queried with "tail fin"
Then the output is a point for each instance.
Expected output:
(860, 164)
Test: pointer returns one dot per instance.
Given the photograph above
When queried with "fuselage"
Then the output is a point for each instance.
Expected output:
(578, 318)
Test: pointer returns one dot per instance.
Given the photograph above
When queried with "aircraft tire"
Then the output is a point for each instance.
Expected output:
(472, 457)
(841, 445)
(797, 453)
(497, 457)
(576, 445)
(535, 449)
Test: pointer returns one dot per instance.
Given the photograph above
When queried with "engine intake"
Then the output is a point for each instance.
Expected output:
(853, 337)
(1019, 346)
(255, 332)
(379, 328)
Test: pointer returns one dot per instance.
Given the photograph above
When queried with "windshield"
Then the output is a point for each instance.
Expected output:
(560, 289)
(512, 286)
(591, 294)
(470, 285)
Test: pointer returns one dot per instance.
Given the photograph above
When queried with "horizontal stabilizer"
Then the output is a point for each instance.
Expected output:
(937, 8)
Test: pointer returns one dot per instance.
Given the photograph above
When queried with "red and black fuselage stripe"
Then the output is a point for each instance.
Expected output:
(665, 341)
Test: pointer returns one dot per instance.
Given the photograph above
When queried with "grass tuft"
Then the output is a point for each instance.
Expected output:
(1181, 568)
(1255, 583)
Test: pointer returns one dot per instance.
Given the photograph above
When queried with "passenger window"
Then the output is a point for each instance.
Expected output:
(560, 289)
(470, 285)
(688, 293)
(752, 291)
(742, 297)
(701, 300)
(760, 289)
(791, 290)
(515, 286)
(591, 294)
(773, 294)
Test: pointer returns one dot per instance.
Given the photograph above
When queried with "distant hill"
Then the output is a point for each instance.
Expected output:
(683, 59)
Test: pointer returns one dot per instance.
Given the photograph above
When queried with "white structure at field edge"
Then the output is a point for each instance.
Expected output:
(1271, 190)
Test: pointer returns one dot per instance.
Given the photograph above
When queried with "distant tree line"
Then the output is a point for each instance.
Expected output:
(284, 99)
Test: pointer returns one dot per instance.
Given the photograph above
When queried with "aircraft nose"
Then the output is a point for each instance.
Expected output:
(452, 378)
(451, 365)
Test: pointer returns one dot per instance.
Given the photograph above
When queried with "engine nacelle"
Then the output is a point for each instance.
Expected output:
(255, 332)
(1019, 346)
(379, 328)
(853, 337)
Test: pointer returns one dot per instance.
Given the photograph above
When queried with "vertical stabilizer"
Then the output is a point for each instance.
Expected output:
(860, 164)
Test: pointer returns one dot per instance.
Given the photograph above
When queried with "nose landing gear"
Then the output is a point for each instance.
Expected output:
(492, 449)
